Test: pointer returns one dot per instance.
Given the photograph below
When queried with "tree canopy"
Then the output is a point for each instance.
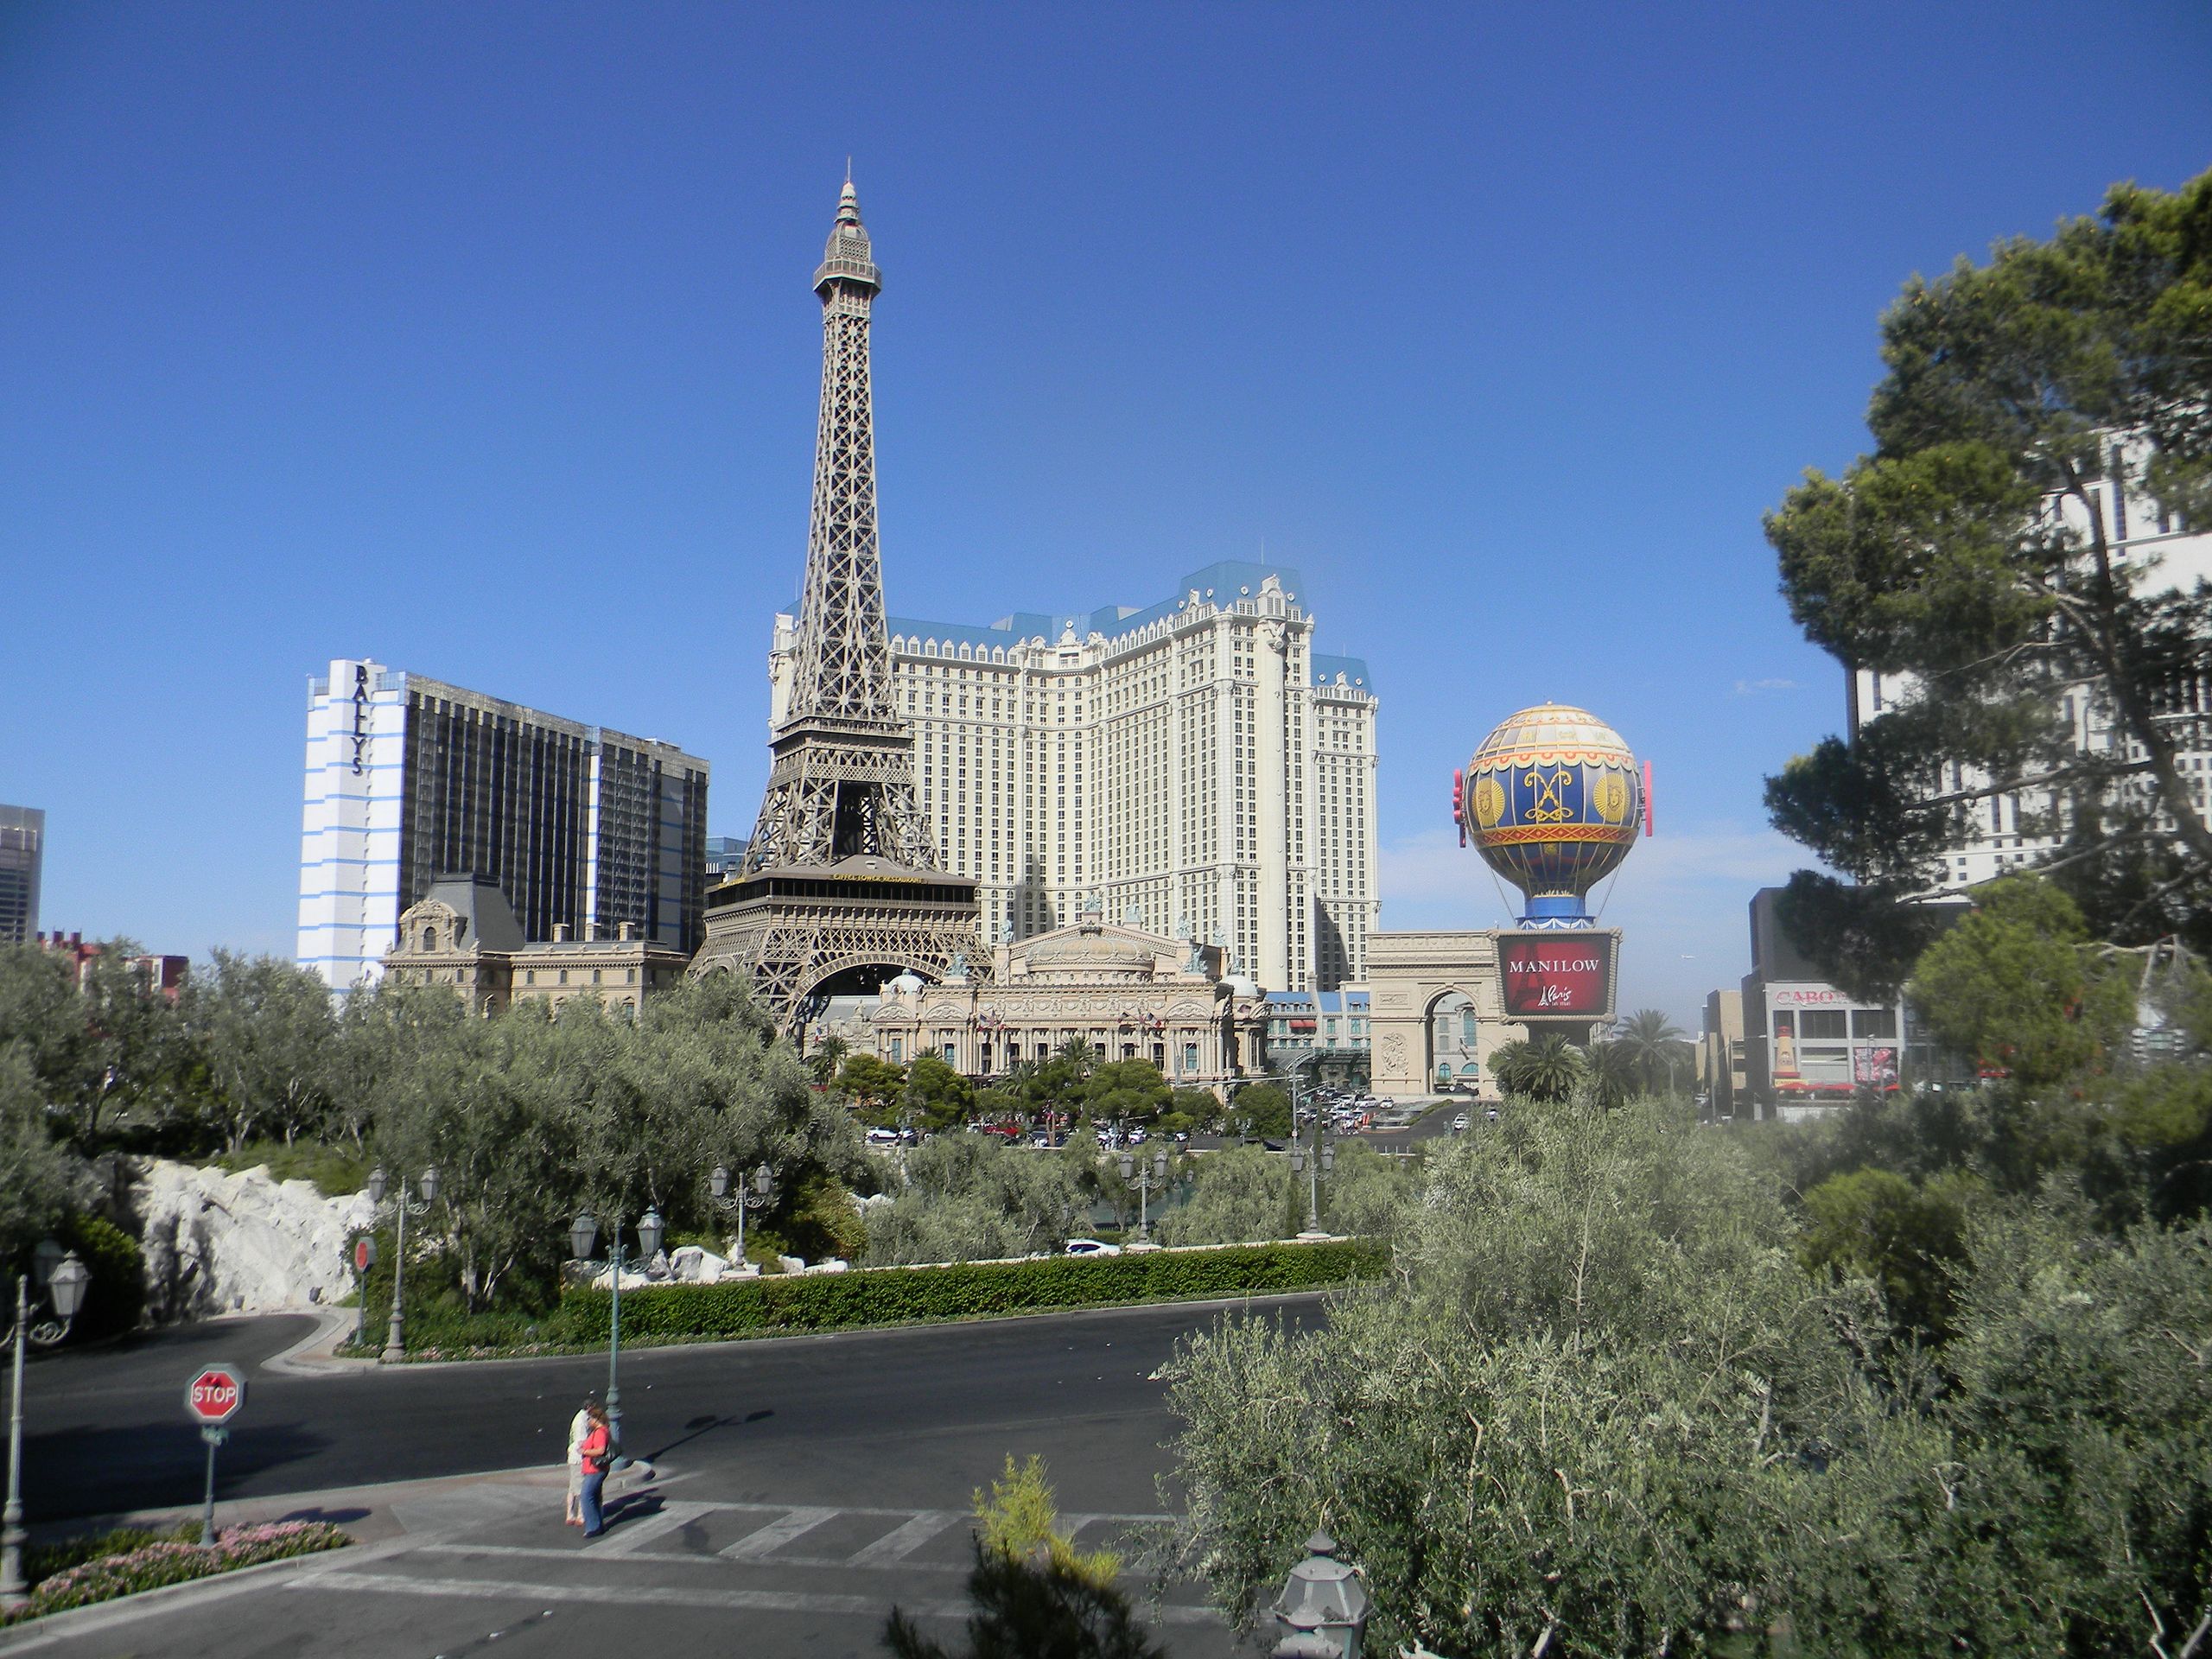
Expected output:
(1971, 560)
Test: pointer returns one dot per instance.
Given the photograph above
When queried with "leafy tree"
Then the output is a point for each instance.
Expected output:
(1363, 1195)
(872, 1084)
(1615, 1074)
(1126, 1091)
(966, 1197)
(1971, 560)
(265, 1033)
(1260, 1108)
(1239, 1195)
(2012, 984)
(937, 1093)
(103, 1045)
(40, 1180)
(1547, 1068)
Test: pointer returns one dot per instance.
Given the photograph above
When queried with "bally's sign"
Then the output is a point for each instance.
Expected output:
(1556, 976)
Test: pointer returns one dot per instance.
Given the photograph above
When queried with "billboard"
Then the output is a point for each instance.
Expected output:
(1557, 975)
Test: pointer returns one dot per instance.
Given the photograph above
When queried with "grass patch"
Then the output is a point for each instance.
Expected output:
(334, 1170)
(132, 1559)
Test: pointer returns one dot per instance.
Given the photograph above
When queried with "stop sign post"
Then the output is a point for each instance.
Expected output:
(362, 1255)
(214, 1395)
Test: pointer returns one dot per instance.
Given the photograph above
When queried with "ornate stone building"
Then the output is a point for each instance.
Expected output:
(463, 933)
(1129, 993)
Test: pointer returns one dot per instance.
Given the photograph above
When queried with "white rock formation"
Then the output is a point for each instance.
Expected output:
(692, 1265)
(219, 1242)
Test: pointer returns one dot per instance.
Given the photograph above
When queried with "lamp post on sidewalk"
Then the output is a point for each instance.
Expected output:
(65, 1283)
(582, 1233)
(1322, 1161)
(758, 1196)
(395, 1342)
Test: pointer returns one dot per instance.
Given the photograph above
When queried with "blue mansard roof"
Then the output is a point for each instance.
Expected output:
(1223, 581)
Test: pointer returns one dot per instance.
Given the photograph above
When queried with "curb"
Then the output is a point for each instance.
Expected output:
(315, 1354)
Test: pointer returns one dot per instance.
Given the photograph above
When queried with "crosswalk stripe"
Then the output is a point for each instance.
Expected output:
(905, 1540)
(629, 1536)
(755, 1545)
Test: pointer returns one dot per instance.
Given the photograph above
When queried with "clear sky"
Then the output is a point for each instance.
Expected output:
(478, 339)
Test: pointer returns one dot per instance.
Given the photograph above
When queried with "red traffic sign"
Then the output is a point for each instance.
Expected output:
(365, 1253)
(214, 1395)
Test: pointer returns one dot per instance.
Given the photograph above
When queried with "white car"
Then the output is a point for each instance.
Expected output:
(1091, 1247)
(883, 1137)
(1460, 1124)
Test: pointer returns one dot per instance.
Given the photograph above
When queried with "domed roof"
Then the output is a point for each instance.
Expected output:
(1092, 950)
(906, 984)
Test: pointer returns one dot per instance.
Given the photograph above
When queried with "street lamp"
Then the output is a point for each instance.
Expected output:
(1323, 1603)
(582, 1233)
(1149, 1173)
(1321, 1161)
(64, 1281)
(395, 1345)
(759, 1196)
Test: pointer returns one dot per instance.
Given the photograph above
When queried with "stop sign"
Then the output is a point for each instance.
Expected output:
(214, 1395)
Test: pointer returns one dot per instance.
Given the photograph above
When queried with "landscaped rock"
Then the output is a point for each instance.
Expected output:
(218, 1242)
(693, 1265)
(791, 1264)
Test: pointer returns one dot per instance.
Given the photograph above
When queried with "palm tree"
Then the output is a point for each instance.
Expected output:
(1547, 1069)
(829, 1054)
(1615, 1072)
(1654, 1041)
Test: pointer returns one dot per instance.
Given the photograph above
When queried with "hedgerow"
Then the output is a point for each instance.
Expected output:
(968, 1290)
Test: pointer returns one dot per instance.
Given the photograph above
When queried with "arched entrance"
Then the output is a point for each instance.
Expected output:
(1450, 1049)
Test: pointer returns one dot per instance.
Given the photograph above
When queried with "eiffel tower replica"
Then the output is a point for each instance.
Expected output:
(842, 888)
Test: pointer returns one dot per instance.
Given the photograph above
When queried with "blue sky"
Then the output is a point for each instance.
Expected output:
(478, 340)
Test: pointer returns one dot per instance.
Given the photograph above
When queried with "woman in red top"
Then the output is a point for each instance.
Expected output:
(597, 1452)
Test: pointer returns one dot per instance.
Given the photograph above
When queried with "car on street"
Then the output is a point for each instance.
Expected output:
(1460, 1124)
(1091, 1247)
(883, 1137)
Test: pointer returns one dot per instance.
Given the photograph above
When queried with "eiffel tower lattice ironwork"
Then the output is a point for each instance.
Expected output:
(842, 887)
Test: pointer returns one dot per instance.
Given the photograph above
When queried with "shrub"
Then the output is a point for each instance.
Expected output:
(335, 1170)
(967, 1290)
(115, 1299)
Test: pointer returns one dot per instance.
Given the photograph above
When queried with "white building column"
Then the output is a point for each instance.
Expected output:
(1271, 815)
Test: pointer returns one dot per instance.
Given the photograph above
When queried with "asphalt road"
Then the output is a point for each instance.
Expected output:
(804, 1487)
(903, 1415)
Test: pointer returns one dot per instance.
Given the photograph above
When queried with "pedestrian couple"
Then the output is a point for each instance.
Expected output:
(591, 1451)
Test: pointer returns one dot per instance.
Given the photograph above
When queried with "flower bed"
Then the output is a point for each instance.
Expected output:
(170, 1561)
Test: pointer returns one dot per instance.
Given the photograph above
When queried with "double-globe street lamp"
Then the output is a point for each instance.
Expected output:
(1145, 1174)
(758, 1194)
(1321, 1161)
(583, 1233)
(63, 1282)
(395, 1343)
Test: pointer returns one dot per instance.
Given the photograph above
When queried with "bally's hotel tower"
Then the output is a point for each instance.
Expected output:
(409, 778)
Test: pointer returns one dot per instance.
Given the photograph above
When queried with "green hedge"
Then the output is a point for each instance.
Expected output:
(836, 1301)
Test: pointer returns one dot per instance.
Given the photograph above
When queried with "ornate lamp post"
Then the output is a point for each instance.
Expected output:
(1147, 1172)
(64, 1281)
(759, 1195)
(582, 1233)
(1323, 1603)
(1322, 1161)
(395, 1345)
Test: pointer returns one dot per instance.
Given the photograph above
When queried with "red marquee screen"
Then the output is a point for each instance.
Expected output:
(1556, 976)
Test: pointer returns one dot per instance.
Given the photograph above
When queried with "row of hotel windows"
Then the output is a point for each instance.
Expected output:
(950, 1054)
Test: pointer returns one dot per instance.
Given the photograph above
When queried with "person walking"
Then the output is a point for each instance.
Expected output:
(594, 1455)
(579, 1425)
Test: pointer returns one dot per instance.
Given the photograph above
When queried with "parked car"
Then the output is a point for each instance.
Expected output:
(883, 1137)
(1091, 1247)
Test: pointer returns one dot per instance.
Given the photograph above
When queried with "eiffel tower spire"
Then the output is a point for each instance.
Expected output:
(842, 887)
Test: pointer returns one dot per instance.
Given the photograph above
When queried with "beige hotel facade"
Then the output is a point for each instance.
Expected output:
(1195, 767)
